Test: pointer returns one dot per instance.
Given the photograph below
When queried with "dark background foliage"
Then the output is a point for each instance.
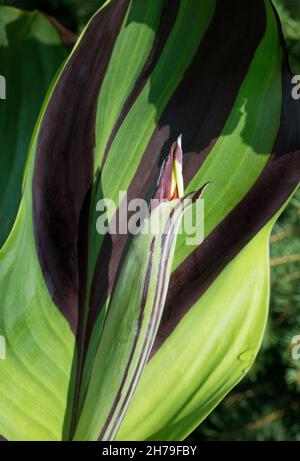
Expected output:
(72, 13)
(266, 405)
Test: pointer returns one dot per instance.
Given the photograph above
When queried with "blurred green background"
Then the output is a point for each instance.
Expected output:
(266, 405)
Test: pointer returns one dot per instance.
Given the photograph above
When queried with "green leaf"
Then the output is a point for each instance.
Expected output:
(193, 372)
(31, 51)
(99, 134)
(35, 377)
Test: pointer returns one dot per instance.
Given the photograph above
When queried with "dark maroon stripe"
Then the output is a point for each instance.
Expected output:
(199, 109)
(139, 325)
(203, 101)
(276, 183)
(104, 279)
(168, 20)
(64, 158)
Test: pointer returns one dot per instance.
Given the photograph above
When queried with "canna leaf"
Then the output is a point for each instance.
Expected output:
(31, 51)
(134, 314)
(166, 68)
(194, 377)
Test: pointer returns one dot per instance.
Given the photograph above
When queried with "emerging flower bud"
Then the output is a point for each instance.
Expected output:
(170, 184)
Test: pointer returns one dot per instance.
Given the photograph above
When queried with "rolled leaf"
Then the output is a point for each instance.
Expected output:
(133, 318)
